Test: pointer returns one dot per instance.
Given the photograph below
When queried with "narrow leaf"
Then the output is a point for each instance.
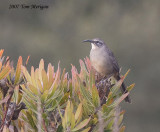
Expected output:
(81, 125)
(31, 121)
(1, 52)
(45, 80)
(27, 60)
(26, 74)
(122, 129)
(87, 129)
(130, 87)
(95, 96)
(5, 71)
(78, 112)
(119, 100)
(41, 66)
(18, 70)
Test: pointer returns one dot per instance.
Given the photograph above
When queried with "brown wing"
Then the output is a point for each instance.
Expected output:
(113, 60)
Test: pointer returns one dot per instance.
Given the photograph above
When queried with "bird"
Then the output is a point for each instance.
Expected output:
(104, 62)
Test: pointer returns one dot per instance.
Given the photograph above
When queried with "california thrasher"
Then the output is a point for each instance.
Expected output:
(104, 62)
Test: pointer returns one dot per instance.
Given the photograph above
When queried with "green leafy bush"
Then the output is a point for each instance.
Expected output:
(49, 100)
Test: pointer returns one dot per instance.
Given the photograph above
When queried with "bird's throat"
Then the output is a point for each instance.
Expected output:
(93, 46)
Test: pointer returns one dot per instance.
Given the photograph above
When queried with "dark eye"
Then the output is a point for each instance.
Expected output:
(97, 42)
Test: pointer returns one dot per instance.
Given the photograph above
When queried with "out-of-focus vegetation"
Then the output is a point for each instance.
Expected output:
(129, 27)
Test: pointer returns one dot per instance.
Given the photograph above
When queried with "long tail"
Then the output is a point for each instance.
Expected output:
(124, 90)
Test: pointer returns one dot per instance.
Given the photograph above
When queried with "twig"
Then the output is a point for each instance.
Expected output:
(101, 122)
(44, 126)
(11, 91)
(115, 126)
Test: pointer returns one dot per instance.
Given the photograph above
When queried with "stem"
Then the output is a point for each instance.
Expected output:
(11, 91)
(44, 126)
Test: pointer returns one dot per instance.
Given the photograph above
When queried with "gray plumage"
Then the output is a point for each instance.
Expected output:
(104, 62)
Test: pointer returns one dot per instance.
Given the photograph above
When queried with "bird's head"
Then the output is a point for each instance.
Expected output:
(96, 43)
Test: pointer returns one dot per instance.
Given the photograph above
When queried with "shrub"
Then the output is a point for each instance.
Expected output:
(49, 100)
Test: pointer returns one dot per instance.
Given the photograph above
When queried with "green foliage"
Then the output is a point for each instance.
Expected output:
(4, 69)
(55, 102)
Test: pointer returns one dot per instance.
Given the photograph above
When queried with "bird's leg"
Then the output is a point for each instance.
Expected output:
(102, 80)
(103, 87)
(107, 78)
(98, 77)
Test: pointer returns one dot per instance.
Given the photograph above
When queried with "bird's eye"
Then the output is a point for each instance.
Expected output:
(98, 43)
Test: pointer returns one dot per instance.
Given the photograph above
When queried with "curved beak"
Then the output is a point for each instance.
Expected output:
(91, 41)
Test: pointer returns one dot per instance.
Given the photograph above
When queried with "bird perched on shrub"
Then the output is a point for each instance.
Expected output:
(104, 62)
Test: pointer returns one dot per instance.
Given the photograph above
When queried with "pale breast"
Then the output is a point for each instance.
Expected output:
(101, 61)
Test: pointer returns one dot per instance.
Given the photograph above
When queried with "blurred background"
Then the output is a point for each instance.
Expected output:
(131, 28)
